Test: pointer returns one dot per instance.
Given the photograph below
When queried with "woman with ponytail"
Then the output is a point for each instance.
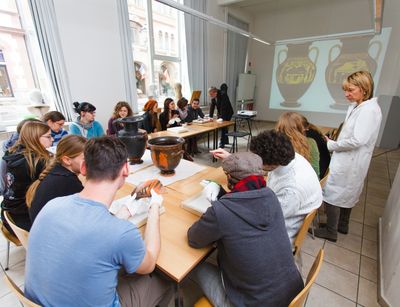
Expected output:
(60, 176)
(86, 125)
(24, 163)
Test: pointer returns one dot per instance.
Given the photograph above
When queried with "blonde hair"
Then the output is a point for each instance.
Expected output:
(291, 124)
(363, 80)
(30, 146)
(70, 146)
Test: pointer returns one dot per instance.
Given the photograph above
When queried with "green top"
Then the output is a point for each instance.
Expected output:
(314, 155)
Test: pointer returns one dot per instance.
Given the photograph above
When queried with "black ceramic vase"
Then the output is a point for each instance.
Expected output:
(134, 139)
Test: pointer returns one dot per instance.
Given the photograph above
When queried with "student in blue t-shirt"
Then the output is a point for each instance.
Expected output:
(55, 120)
(77, 247)
(85, 125)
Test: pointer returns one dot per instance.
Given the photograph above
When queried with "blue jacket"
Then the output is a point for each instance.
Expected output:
(95, 130)
(254, 251)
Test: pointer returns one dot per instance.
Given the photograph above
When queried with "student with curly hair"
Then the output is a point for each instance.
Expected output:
(121, 110)
(60, 178)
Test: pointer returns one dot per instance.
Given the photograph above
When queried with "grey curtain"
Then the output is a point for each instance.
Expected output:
(44, 19)
(236, 57)
(196, 48)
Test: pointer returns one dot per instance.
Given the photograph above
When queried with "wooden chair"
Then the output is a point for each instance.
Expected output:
(316, 220)
(203, 302)
(21, 234)
(303, 232)
(10, 238)
(299, 300)
(17, 291)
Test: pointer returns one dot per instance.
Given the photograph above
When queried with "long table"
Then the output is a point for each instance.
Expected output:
(177, 258)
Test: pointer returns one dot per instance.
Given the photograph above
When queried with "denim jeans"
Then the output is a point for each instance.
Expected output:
(209, 279)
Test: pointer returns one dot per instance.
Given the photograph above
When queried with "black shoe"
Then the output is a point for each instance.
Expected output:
(323, 233)
(342, 230)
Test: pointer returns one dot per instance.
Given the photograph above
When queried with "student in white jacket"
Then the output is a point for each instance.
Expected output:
(352, 154)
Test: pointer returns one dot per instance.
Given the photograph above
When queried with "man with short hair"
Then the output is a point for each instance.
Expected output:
(256, 266)
(77, 248)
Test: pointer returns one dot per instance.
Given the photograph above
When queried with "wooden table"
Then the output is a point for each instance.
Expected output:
(176, 257)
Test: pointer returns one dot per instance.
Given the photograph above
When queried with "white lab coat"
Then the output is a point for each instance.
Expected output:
(352, 154)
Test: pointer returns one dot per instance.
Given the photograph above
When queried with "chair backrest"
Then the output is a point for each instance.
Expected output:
(17, 291)
(21, 234)
(303, 231)
(300, 298)
(323, 181)
(10, 237)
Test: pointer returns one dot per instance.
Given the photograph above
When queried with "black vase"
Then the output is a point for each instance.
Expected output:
(134, 139)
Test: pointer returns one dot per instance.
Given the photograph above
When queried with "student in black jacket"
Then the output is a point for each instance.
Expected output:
(60, 178)
(220, 100)
(166, 114)
(150, 121)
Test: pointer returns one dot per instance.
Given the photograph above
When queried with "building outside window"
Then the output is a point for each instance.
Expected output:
(159, 63)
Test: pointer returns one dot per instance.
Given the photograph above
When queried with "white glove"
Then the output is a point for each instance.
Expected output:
(171, 121)
(178, 120)
(131, 205)
(211, 191)
(156, 199)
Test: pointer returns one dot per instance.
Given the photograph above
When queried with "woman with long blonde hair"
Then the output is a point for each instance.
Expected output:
(60, 177)
(24, 163)
(291, 124)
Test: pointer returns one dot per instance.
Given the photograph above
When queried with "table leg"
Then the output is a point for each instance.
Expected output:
(178, 296)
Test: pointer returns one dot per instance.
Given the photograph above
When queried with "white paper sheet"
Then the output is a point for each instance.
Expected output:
(146, 162)
(140, 218)
(197, 204)
(184, 170)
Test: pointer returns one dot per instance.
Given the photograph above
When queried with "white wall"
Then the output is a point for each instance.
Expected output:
(389, 247)
(91, 44)
(319, 19)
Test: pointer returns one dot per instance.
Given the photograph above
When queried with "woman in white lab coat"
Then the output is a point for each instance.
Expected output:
(352, 154)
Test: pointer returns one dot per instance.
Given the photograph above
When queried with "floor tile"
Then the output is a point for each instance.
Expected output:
(312, 246)
(369, 249)
(376, 200)
(16, 273)
(372, 215)
(306, 264)
(320, 296)
(370, 233)
(357, 214)
(367, 293)
(17, 255)
(355, 228)
(9, 300)
(349, 241)
(338, 280)
(369, 269)
(342, 257)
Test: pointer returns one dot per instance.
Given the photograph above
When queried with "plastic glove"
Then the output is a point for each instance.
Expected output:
(171, 121)
(178, 120)
(212, 190)
(156, 199)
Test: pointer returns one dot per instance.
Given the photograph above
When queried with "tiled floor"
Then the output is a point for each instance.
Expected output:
(348, 276)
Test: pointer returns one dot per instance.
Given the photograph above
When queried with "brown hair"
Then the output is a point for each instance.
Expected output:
(308, 125)
(104, 158)
(363, 80)
(53, 116)
(22, 122)
(182, 103)
(291, 124)
(70, 146)
(29, 143)
(119, 106)
(150, 105)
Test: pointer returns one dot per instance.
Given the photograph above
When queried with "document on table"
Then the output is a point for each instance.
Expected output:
(146, 162)
(184, 170)
(197, 204)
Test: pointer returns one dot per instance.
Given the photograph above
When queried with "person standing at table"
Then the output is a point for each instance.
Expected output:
(55, 120)
(86, 125)
(220, 100)
(77, 247)
(256, 265)
(352, 154)
(121, 110)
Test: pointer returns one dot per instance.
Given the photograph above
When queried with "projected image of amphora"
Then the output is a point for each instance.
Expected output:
(353, 55)
(296, 73)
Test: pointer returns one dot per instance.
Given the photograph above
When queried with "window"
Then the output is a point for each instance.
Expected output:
(5, 84)
(158, 61)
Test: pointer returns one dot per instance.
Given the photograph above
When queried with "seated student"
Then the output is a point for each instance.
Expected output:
(85, 125)
(60, 176)
(175, 120)
(291, 123)
(256, 266)
(24, 163)
(55, 120)
(150, 121)
(313, 132)
(194, 110)
(121, 110)
(290, 176)
(183, 110)
(166, 114)
(77, 247)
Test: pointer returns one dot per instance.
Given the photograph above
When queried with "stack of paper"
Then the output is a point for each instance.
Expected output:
(197, 204)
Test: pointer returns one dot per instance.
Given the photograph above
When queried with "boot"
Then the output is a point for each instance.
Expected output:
(323, 233)
(344, 219)
(330, 231)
